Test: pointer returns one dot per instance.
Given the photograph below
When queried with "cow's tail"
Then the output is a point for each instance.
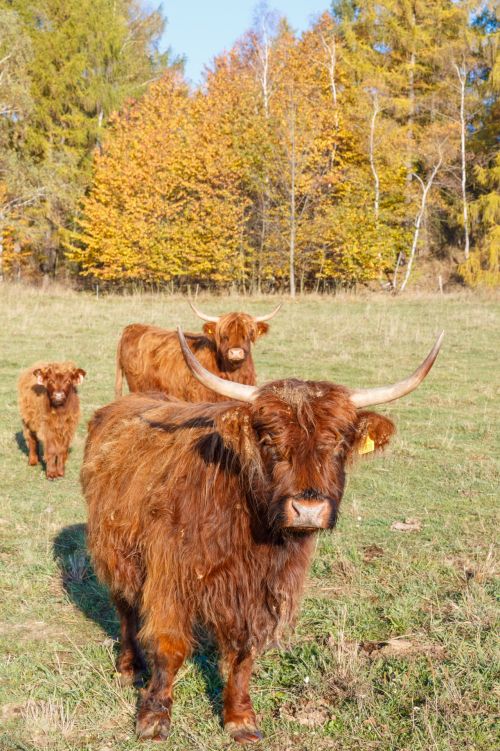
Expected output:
(119, 372)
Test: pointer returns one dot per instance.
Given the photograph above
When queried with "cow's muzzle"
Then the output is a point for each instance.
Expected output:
(302, 512)
(58, 398)
(236, 354)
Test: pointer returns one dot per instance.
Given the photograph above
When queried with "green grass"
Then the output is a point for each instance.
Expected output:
(434, 587)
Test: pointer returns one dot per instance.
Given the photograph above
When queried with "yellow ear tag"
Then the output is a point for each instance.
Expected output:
(367, 446)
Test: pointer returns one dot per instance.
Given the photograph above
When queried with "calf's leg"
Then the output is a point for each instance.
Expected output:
(130, 663)
(61, 462)
(32, 444)
(50, 461)
(239, 715)
(153, 719)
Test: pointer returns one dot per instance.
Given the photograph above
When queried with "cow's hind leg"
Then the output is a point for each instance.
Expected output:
(239, 716)
(153, 719)
(131, 663)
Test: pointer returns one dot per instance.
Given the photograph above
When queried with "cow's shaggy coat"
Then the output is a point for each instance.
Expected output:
(191, 509)
(151, 358)
(50, 411)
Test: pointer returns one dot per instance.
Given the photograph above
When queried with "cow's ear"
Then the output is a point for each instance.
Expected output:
(41, 376)
(209, 329)
(78, 375)
(373, 432)
(262, 328)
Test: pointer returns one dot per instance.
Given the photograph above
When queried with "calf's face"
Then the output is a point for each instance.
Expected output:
(233, 335)
(306, 434)
(58, 381)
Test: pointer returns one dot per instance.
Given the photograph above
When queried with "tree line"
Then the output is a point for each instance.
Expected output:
(330, 158)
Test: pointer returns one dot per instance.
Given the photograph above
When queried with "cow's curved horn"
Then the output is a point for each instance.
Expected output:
(203, 316)
(382, 394)
(239, 391)
(260, 319)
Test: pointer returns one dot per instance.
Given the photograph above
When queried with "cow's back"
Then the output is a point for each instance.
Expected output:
(32, 398)
(152, 360)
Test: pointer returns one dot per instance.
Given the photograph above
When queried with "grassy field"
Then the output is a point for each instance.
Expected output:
(395, 647)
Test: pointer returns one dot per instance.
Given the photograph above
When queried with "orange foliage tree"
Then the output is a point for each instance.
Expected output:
(164, 202)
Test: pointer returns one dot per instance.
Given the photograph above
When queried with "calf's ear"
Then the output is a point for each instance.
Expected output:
(78, 375)
(262, 328)
(41, 376)
(373, 432)
(209, 329)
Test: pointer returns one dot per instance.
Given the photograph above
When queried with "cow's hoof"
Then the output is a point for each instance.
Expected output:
(153, 720)
(32, 461)
(130, 678)
(244, 732)
(125, 677)
(131, 672)
(51, 476)
(153, 726)
(247, 736)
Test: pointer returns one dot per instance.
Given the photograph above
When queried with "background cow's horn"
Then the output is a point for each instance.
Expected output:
(203, 316)
(239, 391)
(260, 319)
(382, 394)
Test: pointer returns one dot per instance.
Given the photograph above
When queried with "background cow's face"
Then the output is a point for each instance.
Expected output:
(306, 433)
(234, 334)
(59, 380)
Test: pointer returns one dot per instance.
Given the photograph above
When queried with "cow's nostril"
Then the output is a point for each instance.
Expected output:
(236, 353)
(304, 513)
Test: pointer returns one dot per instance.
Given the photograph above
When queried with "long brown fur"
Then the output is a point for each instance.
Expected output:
(151, 358)
(52, 424)
(187, 522)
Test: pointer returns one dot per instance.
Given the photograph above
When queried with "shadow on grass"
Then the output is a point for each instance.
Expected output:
(79, 580)
(93, 599)
(21, 444)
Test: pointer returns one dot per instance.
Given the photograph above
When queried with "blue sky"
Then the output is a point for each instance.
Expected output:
(201, 29)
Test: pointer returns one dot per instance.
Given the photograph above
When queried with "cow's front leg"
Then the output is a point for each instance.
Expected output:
(50, 461)
(153, 719)
(61, 462)
(239, 716)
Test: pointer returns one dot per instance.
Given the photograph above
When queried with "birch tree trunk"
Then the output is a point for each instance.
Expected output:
(462, 77)
(376, 181)
(330, 48)
(418, 221)
(262, 67)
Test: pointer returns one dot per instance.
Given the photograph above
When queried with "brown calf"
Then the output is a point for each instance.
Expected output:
(50, 410)
(151, 359)
(208, 512)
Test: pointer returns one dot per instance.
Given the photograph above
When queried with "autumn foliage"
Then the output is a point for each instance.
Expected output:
(299, 164)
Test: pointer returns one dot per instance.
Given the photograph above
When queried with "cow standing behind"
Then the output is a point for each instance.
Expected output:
(151, 359)
(207, 512)
(50, 411)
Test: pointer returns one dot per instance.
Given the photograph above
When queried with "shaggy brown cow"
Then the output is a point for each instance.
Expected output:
(50, 410)
(151, 357)
(207, 513)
